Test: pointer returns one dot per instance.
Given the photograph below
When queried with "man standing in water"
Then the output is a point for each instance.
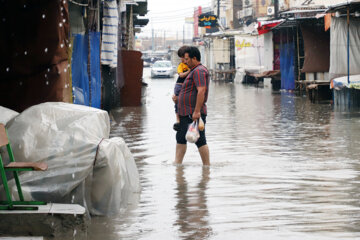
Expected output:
(192, 104)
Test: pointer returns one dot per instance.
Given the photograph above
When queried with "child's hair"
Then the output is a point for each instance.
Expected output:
(181, 51)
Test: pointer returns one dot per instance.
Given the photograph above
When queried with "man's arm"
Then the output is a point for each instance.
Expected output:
(199, 102)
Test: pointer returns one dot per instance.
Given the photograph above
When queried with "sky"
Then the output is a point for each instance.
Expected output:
(169, 16)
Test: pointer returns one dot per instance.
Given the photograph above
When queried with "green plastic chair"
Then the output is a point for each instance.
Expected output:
(16, 167)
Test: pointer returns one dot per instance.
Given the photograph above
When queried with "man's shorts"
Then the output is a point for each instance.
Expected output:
(184, 123)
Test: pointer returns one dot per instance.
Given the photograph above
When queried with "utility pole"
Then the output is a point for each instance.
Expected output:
(276, 6)
(164, 39)
(218, 9)
(183, 34)
(152, 41)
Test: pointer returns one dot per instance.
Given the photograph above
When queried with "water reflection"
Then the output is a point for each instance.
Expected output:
(191, 206)
(282, 168)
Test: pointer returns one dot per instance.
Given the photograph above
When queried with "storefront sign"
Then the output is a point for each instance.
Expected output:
(207, 20)
(242, 44)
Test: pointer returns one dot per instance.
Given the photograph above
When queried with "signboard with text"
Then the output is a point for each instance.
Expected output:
(207, 20)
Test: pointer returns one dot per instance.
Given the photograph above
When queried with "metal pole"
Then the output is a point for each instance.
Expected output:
(218, 9)
(164, 39)
(98, 16)
(348, 44)
(276, 7)
(152, 41)
(183, 34)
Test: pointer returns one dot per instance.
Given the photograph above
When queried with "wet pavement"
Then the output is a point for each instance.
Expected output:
(281, 168)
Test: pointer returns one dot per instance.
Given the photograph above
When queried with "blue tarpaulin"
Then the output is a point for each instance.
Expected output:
(95, 69)
(80, 78)
(287, 66)
(86, 92)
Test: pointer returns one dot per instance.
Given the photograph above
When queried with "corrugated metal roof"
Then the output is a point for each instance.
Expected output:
(352, 4)
(304, 11)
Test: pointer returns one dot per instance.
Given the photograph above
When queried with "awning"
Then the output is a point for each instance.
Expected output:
(140, 21)
(353, 5)
(267, 26)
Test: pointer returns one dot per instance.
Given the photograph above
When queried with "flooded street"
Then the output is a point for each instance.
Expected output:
(281, 168)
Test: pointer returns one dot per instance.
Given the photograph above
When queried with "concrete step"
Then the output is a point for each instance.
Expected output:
(52, 220)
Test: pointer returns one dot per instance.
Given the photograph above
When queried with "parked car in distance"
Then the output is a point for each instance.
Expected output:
(162, 68)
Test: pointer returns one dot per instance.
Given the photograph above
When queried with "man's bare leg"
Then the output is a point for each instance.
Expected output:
(180, 153)
(204, 154)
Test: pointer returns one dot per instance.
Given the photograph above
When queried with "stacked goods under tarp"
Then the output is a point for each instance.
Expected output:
(85, 166)
(6, 115)
(345, 62)
(34, 53)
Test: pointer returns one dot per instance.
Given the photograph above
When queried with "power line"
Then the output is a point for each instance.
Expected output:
(179, 10)
(172, 17)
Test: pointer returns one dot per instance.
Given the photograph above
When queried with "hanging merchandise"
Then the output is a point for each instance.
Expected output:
(79, 64)
(95, 76)
(109, 46)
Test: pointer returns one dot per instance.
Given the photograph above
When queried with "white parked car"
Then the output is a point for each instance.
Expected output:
(162, 68)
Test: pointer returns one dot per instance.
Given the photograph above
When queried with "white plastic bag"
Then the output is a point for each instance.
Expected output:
(192, 134)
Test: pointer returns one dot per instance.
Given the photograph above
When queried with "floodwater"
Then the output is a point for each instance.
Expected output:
(281, 168)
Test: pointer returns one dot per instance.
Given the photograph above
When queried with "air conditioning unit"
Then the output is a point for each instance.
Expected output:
(247, 12)
(270, 11)
(247, 3)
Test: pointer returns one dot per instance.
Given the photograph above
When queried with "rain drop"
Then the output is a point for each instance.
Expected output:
(65, 70)
(45, 75)
(48, 69)
(74, 232)
(66, 86)
(52, 224)
(43, 16)
(47, 82)
(25, 52)
(70, 45)
(24, 5)
(64, 20)
(20, 83)
(61, 45)
(60, 24)
(72, 199)
(61, 8)
(73, 175)
(73, 88)
(45, 49)
(7, 69)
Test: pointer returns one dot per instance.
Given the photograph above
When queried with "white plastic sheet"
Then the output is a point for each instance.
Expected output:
(85, 167)
(338, 47)
(250, 52)
(6, 115)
